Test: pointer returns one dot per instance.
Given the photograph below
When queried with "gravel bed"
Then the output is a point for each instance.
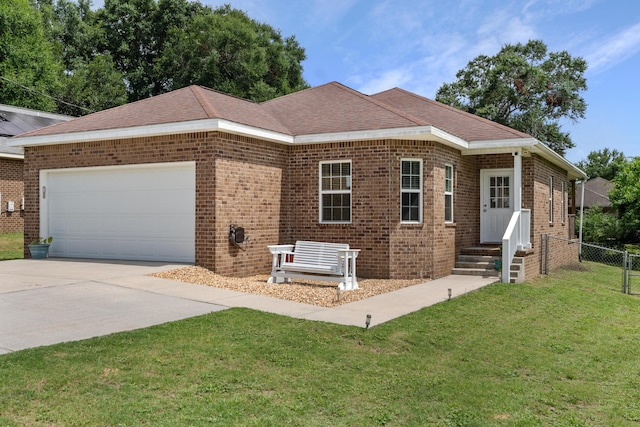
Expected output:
(315, 292)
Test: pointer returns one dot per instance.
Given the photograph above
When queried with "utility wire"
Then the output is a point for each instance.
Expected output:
(44, 94)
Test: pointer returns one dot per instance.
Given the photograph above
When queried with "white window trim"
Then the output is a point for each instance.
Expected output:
(551, 200)
(419, 191)
(449, 165)
(321, 192)
(563, 207)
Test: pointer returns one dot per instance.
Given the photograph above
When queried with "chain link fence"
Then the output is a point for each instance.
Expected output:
(628, 263)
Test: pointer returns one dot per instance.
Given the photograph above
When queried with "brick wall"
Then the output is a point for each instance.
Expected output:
(389, 248)
(536, 173)
(370, 226)
(411, 246)
(11, 189)
(272, 191)
(247, 194)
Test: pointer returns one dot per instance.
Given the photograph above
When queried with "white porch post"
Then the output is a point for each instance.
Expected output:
(517, 180)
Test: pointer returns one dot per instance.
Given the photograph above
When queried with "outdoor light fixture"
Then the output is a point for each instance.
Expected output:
(449, 292)
(368, 322)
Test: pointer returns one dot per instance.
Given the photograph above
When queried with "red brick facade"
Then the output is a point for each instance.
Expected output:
(272, 190)
(11, 189)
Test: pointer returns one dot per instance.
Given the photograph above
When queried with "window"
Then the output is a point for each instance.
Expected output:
(550, 199)
(411, 190)
(335, 192)
(499, 195)
(448, 193)
(563, 207)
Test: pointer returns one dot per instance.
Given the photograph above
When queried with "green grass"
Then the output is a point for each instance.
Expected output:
(11, 246)
(562, 350)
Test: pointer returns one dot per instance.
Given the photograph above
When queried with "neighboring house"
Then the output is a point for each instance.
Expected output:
(409, 181)
(13, 121)
(596, 193)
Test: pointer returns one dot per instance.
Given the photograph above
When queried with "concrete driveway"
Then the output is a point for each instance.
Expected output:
(49, 301)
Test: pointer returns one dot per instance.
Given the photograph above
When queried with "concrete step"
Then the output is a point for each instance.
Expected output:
(482, 250)
(475, 272)
(471, 264)
(477, 258)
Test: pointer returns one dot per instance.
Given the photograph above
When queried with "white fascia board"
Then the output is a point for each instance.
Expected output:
(500, 144)
(552, 156)
(425, 133)
(12, 156)
(35, 113)
(152, 130)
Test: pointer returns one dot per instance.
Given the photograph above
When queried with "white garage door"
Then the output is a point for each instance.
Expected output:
(132, 213)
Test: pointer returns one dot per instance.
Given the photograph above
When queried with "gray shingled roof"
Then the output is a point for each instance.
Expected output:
(15, 121)
(596, 193)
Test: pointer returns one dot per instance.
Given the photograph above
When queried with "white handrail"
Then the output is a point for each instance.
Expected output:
(516, 236)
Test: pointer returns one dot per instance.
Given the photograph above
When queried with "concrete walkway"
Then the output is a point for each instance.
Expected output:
(43, 302)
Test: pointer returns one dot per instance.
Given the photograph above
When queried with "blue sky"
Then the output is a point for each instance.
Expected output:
(374, 45)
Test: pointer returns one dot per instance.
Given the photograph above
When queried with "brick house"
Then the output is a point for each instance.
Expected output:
(409, 181)
(14, 121)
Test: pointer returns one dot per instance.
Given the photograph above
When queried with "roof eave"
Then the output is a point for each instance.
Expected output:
(420, 133)
(549, 154)
(205, 125)
(12, 156)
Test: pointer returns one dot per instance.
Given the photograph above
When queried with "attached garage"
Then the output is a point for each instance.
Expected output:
(137, 212)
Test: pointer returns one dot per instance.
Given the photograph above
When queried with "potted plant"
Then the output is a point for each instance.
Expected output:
(39, 248)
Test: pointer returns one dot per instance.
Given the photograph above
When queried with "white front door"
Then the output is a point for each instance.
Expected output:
(496, 203)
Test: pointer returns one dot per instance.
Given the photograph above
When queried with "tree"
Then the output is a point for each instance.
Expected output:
(604, 163)
(600, 227)
(135, 32)
(525, 87)
(90, 81)
(228, 51)
(625, 197)
(29, 72)
(91, 86)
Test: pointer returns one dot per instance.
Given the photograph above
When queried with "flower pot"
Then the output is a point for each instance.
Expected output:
(39, 251)
(497, 264)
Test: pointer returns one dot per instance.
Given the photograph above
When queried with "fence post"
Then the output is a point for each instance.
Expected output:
(546, 254)
(624, 272)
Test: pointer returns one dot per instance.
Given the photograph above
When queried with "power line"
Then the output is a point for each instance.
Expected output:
(44, 94)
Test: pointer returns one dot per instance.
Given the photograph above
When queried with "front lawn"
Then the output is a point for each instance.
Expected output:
(562, 350)
(11, 246)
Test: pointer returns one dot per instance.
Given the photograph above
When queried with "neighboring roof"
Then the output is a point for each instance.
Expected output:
(327, 113)
(596, 193)
(16, 120)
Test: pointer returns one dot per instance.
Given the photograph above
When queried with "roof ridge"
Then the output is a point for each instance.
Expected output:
(381, 104)
(208, 109)
(458, 111)
(277, 98)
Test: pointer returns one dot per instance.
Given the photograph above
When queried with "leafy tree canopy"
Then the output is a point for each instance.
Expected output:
(132, 49)
(228, 51)
(604, 163)
(29, 70)
(525, 87)
(625, 197)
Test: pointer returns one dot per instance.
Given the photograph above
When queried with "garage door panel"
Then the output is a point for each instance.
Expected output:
(140, 213)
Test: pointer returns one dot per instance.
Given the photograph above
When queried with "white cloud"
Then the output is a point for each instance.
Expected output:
(502, 28)
(328, 12)
(387, 80)
(614, 50)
